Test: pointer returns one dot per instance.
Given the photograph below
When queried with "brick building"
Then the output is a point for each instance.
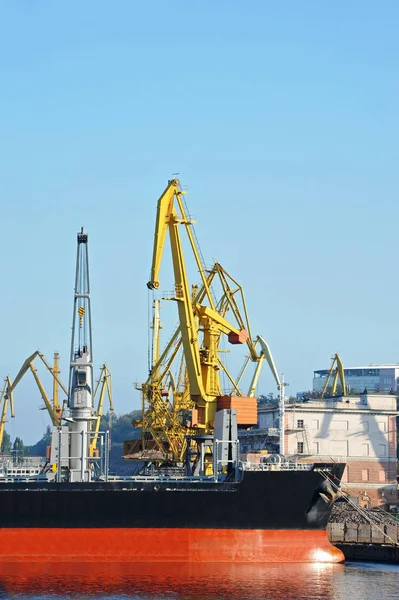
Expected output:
(362, 430)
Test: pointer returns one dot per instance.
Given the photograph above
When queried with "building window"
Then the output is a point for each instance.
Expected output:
(365, 449)
(315, 447)
(299, 423)
(381, 475)
(382, 450)
(315, 424)
(339, 425)
(365, 425)
(382, 426)
(300, 447)
(365, 474)
(339, 448)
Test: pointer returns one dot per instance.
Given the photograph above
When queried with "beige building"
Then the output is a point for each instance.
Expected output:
(361, 430)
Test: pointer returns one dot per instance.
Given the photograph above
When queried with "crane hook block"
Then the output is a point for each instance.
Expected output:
(153, 285)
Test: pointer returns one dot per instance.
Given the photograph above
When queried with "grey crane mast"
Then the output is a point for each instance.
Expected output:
(80, 400)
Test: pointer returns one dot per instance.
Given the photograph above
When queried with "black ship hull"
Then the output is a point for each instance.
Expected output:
(269, 515)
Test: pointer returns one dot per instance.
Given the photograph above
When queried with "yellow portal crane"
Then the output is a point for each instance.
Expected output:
(166, 401)
(163, 435)
(201, 325)
(104, 384)
(338, 373)
(54, 409)
(6, 397)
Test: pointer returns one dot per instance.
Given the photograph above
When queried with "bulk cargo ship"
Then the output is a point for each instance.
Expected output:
(208, 505)
(277, 515)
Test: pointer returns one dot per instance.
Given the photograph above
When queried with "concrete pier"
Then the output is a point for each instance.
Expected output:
(366, 542)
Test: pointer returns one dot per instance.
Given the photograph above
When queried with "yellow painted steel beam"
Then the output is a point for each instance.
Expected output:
(223, 325)
(164, 212)
(53, 415)
(187, 321)
(199, 315)
(230, 294)
(7, 398)
(105, 381)
(56, 371)
(55, 375)
(338, 373)
(53, 408)
(234, 384)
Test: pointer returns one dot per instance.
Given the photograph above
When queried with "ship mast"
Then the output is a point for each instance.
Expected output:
(281, 385)
(81, 366)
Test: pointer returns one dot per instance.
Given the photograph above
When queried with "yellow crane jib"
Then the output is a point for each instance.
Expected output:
(104, 384)
(165, 210)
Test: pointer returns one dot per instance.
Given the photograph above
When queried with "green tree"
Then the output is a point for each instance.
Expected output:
(39, 449)
(121, 429)
(7, 444)
(18, 449)
(270, 400)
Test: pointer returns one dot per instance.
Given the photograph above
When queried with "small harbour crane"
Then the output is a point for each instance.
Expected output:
(53, 407)
(337, 372)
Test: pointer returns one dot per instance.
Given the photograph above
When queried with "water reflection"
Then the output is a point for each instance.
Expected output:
(169, 581)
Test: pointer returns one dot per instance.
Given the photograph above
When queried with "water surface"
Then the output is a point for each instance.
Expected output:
(113, 581)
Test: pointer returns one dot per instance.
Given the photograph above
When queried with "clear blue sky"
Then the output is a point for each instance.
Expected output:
(282, 120)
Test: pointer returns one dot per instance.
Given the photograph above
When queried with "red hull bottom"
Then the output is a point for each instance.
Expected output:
(167, 545)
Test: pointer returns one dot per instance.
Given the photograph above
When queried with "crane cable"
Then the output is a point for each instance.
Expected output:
(150, 339)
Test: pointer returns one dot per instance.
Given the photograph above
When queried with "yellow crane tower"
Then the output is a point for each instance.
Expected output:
(6, 397)
(163, 434)
(337, 372)
(201, 321)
